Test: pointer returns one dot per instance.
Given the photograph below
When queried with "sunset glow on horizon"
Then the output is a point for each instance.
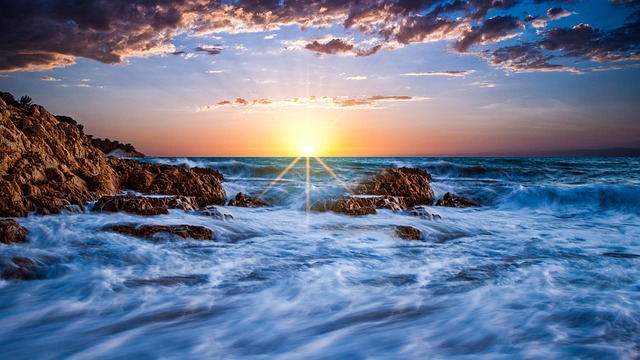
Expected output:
(346, 78)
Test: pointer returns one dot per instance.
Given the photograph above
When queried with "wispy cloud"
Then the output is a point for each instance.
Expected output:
(453, 73)
(358, 77)
(49, 78)
(328, 102)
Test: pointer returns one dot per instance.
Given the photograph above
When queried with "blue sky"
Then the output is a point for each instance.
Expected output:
(259, 78)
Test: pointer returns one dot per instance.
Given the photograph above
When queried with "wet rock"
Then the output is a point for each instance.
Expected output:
(422, 213)
(143, 205)
(390, 202)
(409, 183)
(213, 212)
(12, 232)
(189, 280)
(408, 233)
(202, 184)
(20, 268)
(354, 206)
(148, 231)
(451, 200)
(244, 200)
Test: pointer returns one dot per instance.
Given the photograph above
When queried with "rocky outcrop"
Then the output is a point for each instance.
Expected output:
(143, 205)
(115, 148)
(451, 200)
(12, 232)
(354, 206)
(408, 233)
(409, 183)
(148, 231)
(244, 200)
(422, 213)
(47, 164)
(202, 184)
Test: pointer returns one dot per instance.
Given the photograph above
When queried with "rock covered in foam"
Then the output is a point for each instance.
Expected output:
(451, 200)
(149, 231)
(143, 205)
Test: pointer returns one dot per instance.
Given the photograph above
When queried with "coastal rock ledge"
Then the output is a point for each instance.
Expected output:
(48, 164)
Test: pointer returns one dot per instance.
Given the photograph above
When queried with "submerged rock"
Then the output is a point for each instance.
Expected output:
(409, 183)
(213, 212)
(148, 231)
(451, 200)
(354, 206)
(143, 205)
(12, 232)
(244, 200)
(20, 268)
(189, 280)
(421, 212)
(408, 233)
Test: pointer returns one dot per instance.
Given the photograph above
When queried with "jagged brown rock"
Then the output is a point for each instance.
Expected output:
(421, 212)
(244, 200)
(354, 206)
(142, 205)
(451, 200)
(12, 232)
(202, 184)
(47, 164)
(408, 233)
(409, 183)
(148, 231)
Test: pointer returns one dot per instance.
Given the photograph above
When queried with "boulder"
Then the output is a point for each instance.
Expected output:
(143, 205)
(12, 232)
(244, 200)
(202, 184)
(213, 212)
(409, 183)
(148, 231)
(451, 200)
(408, 233)
(115, 148)
(348, 205)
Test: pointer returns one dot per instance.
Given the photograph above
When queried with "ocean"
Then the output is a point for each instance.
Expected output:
(547, 267)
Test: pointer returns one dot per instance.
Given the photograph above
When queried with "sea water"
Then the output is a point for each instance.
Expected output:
(547, 267)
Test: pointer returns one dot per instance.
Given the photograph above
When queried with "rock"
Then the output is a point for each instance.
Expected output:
(12, 232)
(451, 200)
(408, 233)
(244, 200)
(202, 184)
(20, 268)
(143, 205)
(421, 212)
(409, 183)
(148, 231)
(115, 148)
(213, 212)
(46, 164)
(390, 202)
(354, 206)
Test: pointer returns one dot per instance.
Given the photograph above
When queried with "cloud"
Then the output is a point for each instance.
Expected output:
(557, 13)
(525, 58)
(270, 36)
(327, 102)
(41, 35)
(49, 78)
(359, 77)
(213, 71)
(210, 49)
(453, 73)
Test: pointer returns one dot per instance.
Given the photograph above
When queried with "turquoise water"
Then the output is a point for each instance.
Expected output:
(547, 267)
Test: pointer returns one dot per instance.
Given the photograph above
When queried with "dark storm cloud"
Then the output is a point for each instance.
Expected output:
(43, 34)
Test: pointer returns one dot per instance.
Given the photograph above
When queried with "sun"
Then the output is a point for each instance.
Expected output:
(308, 150)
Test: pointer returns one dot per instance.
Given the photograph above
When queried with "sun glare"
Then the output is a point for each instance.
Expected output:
(307, 150)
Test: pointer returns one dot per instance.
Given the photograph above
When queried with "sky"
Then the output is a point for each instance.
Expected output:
(343, 77)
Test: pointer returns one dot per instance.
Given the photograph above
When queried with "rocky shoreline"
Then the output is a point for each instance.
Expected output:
(48, 165)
